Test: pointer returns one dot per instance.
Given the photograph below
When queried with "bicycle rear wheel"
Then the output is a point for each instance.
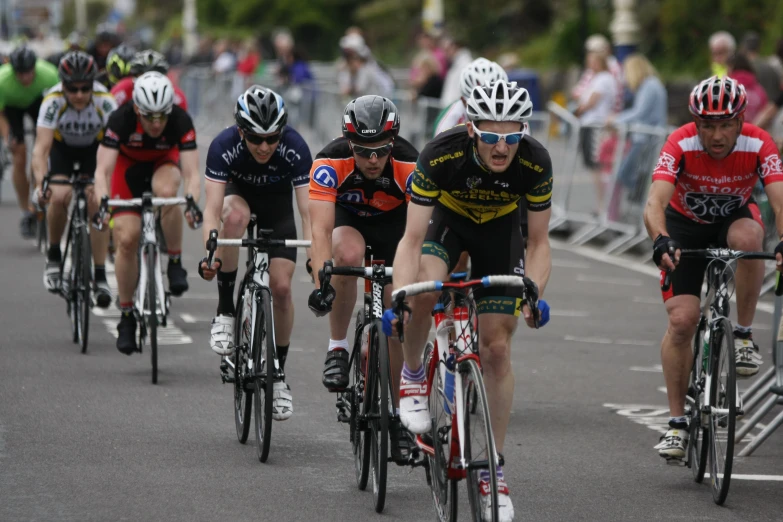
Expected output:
(698, 443)
(723, 401)
(379, 422)
(359, 443)
(243, 397)
(444, 489)
(152, 307)
(479, 443)
(264, 350)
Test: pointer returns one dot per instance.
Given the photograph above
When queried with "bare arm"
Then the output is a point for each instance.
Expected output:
(660, 194)
(322, 226)
(775, 195)
(105, 161)
(539, 252)
(213, 207)
(408, 257)
(43, 146)
(303, 204)
(5, 127)
(190, 173)
(591, 102)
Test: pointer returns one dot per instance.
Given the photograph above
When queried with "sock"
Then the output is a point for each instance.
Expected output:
(341, 343)
(225, 281)
(412, 376)
(127, 308)
(100, 273)
(678, 422)
(282, 354)
(175, 256)
(54, 253)
(744, 331)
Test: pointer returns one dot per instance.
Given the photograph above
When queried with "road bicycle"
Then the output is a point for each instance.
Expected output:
(254, 367)
(460, 444)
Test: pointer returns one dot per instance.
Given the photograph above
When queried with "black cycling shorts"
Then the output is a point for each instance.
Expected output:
(382, 232)
(495, 248)
(15, 117)
(273, 211)
(62, 159)
(687, 279)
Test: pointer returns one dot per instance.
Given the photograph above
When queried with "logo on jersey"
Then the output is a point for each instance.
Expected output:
(772, 165)
(325, 176)
(50, 112)
(110, 134)
(666, 165)
(712, 207)
(473, 182)
(351, 196)
(190, 136)
(409, 183)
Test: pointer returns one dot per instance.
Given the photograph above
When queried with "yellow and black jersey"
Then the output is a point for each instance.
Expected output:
(75, 128)
(450, 174)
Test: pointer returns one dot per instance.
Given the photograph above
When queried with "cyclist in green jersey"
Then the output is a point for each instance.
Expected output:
(22, 84)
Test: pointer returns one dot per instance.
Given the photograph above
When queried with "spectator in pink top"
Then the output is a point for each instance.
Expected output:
(742, 70)
(598, 43)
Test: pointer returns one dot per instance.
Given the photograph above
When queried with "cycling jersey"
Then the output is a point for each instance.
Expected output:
(228, 160)
(450, 174)
(124, 132)
(15, 95)
(76, 128)
(709, 190)
(335, 178)
(450, 117)
(123, 93)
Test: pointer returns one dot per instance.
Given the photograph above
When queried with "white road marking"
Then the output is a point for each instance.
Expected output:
(188, 318)
(595, 340)
(656, 368)
(563, 263)
(774, 478)
(636, 342)
(585, 278)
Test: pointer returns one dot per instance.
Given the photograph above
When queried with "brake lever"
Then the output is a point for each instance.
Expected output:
(195, 211)
(211, 245)
(99, 217)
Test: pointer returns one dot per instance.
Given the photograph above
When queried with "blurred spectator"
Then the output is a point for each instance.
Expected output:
(250, 58)
(362, 74)
(508, 61)
(741, 70)
(722, 48)
(427, 82)
(766, 74)
(203, 55)
(459, 57)
(292, 67)
(598, 44)
(428, 44)
(173, 50)
(225, 59)
(105, 40)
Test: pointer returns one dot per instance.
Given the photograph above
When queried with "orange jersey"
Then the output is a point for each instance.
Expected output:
(334, 177)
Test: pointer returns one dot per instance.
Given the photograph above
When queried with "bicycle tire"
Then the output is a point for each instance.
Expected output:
(359, 444)
(444, 490)
(723, 397)
(379, 431)
(243, 397)
(698, 440)
(73, 286)
(152, 306)
(42, 232)
(85, 288)
(263, 349)
(477, 411)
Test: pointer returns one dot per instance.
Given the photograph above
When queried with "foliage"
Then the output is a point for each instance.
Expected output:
(96, 10)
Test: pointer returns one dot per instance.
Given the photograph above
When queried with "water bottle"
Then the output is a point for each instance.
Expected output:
(365, 347)
(448, 385)
(706, 350)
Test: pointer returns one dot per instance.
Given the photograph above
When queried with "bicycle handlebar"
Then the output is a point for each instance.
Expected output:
(259, 242)
(188, 201)
(531, 290)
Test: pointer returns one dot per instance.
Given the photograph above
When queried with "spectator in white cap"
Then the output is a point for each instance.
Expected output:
(722, 49)
(598, 44)
(361, 75)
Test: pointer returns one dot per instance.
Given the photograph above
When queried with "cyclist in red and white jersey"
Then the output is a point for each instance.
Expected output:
(145, 61)
(701, 196)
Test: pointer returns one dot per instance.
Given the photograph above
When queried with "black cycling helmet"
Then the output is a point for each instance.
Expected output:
(77, 66)
(260, 110)
(23, 59)
(371, 118)
(148, 60)
(118, 62)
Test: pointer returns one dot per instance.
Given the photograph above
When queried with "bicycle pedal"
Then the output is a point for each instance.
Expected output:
(673, 461)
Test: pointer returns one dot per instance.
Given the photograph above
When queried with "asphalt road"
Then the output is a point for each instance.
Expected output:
(88, 437)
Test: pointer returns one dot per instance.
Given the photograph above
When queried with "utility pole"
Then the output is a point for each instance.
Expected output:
(189, 25)
(624, 28)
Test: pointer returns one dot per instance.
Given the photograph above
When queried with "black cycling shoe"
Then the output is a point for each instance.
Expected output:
(178, 277)
(27, 226)
(335, 376)
(403, 443)
(126, 340)
(102, 294)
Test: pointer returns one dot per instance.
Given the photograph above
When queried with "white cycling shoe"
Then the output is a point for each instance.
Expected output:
(282, 402)
(505, 507)
(221, 339)
(414, 412)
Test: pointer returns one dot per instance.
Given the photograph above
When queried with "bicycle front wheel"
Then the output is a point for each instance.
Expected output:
(698, 443)
(359, 442)
(151, 314)
(42, 233)
(379, 416)
(243, 397)
(723, 414)
(264, 356)
(479, 443)
(83, 295)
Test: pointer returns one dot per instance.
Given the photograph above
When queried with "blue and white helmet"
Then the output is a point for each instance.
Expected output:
(260, 110)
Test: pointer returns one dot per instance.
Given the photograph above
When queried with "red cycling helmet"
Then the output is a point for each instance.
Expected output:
(718, 99)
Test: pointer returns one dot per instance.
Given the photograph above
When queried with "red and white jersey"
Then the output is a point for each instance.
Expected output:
(123, 93)
(710, 190)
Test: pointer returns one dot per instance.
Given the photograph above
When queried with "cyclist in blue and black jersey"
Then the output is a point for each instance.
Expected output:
(252, 167)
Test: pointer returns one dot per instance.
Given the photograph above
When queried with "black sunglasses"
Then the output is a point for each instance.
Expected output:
(255, 139)
(367, 152)
(75, 88)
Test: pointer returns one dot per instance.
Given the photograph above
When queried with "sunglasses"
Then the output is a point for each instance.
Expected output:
(256, 139)
(491, 138)
(154, 116)
(73, 89)
(367, 152)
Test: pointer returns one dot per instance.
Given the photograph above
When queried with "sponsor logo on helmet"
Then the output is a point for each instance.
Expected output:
(325, 176)
(771, 165)
(368, 131)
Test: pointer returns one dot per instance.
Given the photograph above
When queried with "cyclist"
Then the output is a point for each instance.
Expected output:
(481, 72)
(118, 63)
(701, 196)
(251, 168)
(142, 62)
(138, 155)
(467, 186)
(71, 122)
(22, 83)
(359, 190)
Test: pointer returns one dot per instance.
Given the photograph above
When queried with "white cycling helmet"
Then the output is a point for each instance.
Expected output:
(501, 101)
(153, 92)
(480, 72)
